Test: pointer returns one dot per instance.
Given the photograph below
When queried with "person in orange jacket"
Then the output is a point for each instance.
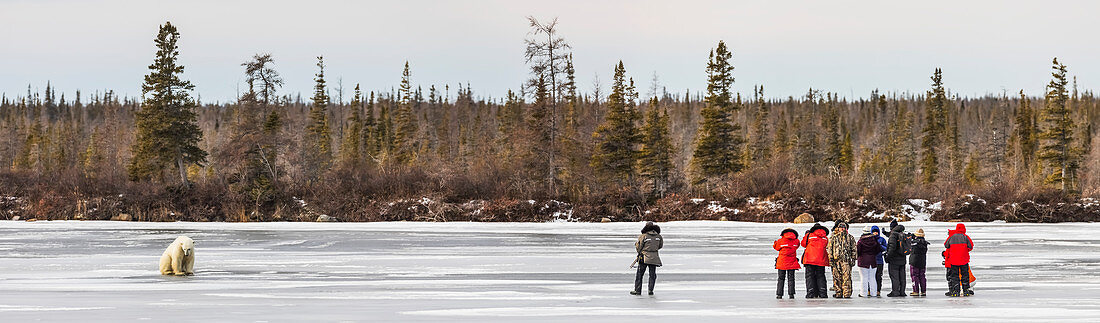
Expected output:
(787, 261)
(816, 258)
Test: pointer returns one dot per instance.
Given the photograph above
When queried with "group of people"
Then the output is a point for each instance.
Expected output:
(871, 253)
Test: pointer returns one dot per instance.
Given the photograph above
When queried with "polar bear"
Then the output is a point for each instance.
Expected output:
(179, 258)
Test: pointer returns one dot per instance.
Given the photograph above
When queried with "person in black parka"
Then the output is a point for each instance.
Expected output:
(918, 261)
(895, 257)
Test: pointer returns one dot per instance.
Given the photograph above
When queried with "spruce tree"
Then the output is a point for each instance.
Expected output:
(807, 154)
(317, 142)
(934, 128)
(833, 136)
(898, 160)
(370, 124)
(760, 151)
(955, 156)
(1025, 136)
(167, 131)
(384, 130)
(443, 126)
(351, 148)
(782, 141)
(717, 142)
(404, 134)
(1057, 136)
(509, 125)
(847, 158)
(617, 137)
(655, 157)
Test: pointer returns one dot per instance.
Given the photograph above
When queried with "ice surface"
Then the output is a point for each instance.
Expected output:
(504, 272)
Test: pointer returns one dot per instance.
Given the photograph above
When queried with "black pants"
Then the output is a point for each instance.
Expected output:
(958, 278)
(897, 278)
(816, 286)
(641, 272)
(878, 277)
(788, 276)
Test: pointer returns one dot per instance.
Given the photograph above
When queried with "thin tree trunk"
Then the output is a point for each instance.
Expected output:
(183, 171)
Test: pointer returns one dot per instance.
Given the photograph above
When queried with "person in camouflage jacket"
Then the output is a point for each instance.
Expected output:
(842, 257)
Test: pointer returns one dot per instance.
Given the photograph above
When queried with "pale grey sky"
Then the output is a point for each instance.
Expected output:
(849, 47)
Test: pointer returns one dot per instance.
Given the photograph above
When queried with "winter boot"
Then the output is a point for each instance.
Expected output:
(923, 294)
(791, 297)
(634, 292)
(914, 294)
(650, 293)
(778, 296)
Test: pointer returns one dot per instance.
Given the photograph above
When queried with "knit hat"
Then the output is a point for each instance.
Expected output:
(920, 233)
(866, 230)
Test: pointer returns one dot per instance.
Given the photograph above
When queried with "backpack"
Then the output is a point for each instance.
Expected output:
(906, 244)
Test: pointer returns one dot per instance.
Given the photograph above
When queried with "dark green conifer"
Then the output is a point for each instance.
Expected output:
(167, 132)
(717, 143)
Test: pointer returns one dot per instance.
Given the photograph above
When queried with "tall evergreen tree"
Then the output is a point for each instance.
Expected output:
(847, 156)
(404, 135)
(1057, 136)
(1025, 136)
(352, 146)
(166, 126)
(317, 142)
(510, 125)
(718, 141)
(934, 129)
(617, 137)
(760, 150)
(807, 153)
(833, 136)
(781, 143)
(655, 157)
(370, 125)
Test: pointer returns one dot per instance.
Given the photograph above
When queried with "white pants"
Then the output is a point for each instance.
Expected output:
(867, 285)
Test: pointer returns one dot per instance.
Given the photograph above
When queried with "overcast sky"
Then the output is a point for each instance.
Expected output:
(848, 47)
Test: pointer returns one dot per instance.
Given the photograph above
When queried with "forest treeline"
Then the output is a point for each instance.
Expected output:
(549, 149)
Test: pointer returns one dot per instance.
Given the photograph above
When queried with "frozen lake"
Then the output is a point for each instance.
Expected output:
(714, 271)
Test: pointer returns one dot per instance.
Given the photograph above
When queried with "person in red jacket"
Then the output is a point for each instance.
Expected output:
(787, 262)
(957, 261)
(816, 258)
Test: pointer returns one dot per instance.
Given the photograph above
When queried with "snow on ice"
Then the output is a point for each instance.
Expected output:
(506, 272)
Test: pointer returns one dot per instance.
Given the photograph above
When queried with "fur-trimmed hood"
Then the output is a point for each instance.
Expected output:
(840, 224)
(789, 230)
(650, 226)
(818, 226)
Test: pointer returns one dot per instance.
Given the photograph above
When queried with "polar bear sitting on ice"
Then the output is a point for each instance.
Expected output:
(179, 258)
